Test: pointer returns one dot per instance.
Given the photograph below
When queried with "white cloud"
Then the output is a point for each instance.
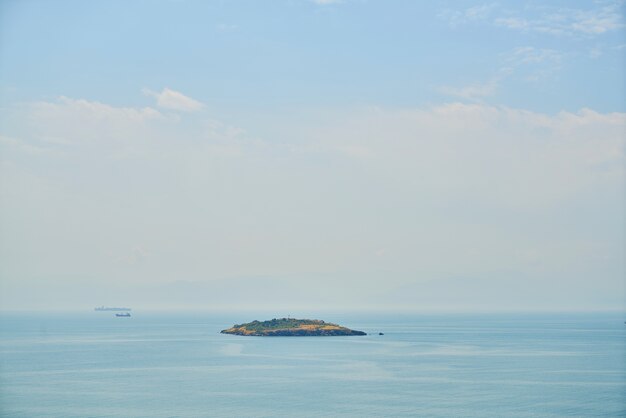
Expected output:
(92, 110)
(479, 12)
(351, 195)
(531, 55)
(373, 136)
(566, 21)
(534, 64)
(544, 18)
(325, 2)
(606, 19)
(24, 146)
(456, 147)
(474, 92)
(69, 120)
(68, 123)
(528, 63)
(170, 99)
(512, 22)
(75, 127)
(472, 14)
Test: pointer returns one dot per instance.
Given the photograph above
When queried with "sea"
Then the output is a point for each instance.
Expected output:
(177, 364)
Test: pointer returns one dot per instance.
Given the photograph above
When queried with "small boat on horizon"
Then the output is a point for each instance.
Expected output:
(106, 308)
(124, 315)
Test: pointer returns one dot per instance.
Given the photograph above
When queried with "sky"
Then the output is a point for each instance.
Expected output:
(350, 154)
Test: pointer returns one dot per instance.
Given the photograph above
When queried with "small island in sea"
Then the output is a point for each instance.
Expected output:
(290, 327)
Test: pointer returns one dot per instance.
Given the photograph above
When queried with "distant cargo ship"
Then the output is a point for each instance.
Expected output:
(105, 308)
(125, 315)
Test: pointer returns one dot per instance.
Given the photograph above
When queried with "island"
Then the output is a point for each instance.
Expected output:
(290, 327)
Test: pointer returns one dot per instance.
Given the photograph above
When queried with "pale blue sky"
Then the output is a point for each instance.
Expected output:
(544, 56)
(422, 155)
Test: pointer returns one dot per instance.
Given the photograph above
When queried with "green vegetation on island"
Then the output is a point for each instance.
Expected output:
(290, 327)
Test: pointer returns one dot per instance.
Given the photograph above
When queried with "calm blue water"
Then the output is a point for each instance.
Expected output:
(178, 365)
